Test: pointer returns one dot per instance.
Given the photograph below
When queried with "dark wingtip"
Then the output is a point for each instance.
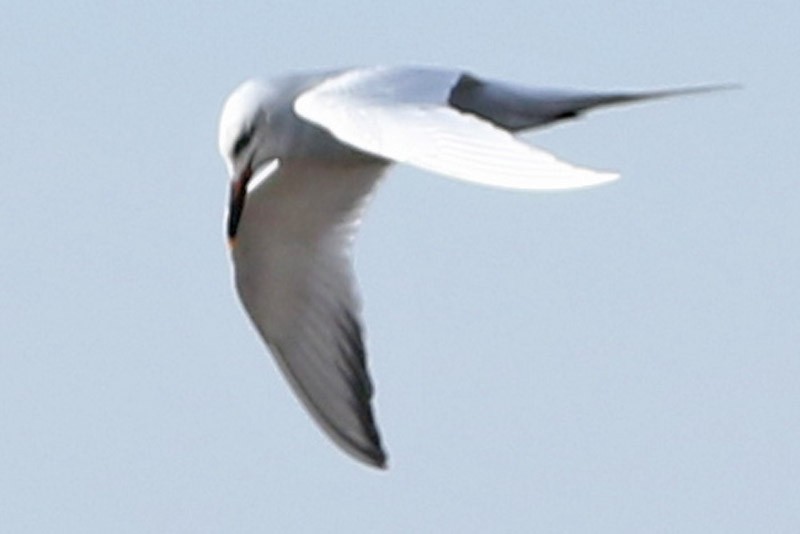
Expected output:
(726, 87)
(382, 463)
(375, 458)
(712, 88)
(688, 91)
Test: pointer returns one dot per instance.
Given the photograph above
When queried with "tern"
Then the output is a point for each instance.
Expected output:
(305, 153)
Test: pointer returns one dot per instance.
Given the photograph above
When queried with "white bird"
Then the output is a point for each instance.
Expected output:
(304, 154)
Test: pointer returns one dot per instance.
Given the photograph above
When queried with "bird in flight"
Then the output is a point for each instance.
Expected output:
(305, 154)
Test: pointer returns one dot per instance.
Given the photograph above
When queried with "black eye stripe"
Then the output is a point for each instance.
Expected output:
(242, 141)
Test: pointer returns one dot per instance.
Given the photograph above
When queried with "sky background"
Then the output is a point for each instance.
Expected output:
(621, 359)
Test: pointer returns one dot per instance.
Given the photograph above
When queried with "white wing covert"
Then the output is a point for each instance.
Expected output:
(403, 115)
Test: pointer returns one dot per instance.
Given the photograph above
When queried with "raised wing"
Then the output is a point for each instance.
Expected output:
(404, 115)
(514, 107)
(294, 275)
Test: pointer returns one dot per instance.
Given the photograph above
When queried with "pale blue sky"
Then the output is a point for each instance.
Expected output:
(622, 359)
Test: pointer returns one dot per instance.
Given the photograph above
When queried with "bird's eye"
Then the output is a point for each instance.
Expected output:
(242, 142)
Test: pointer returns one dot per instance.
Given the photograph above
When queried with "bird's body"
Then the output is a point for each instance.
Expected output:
(305, 153)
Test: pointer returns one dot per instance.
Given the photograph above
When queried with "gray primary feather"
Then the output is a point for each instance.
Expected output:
(518, 108)
(295, 277)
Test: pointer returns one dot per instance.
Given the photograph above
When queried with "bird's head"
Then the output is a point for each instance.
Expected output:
(244, 142)
(243, 129)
